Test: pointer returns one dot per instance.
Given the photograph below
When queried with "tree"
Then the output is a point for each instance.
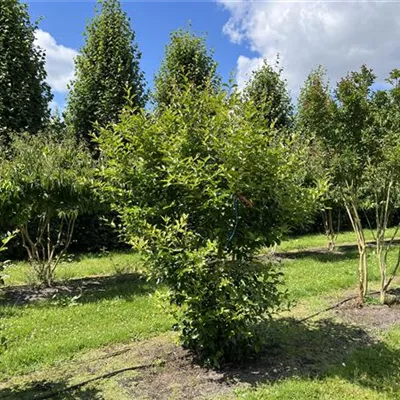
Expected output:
(186, 60)
(46, 182)
(107, 72)
(269, 94)
(24, 94)
(315, 120)
(353, 148)
(198, 196)
(381, 189)
(367, 166)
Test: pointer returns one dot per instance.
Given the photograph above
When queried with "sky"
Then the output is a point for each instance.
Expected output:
(340, 35)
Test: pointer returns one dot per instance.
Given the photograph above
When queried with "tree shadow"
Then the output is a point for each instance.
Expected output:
(343, 253)
(40, 390)
(319, 350)
(83, 290)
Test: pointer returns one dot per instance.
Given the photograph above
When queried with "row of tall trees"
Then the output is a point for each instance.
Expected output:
(108, 75)
(355, 136)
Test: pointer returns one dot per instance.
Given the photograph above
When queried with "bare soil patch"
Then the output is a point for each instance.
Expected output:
(370, 316)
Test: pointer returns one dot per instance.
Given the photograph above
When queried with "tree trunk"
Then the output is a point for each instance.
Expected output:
(329, 231)
(362, 272)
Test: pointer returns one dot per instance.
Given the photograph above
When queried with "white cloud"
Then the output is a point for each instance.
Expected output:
(341, 36)
(59, 61)
(245, 66)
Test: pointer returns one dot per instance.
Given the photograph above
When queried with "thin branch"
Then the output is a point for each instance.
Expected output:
(70, 231)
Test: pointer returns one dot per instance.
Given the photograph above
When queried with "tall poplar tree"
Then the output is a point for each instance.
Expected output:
(24, 94)
(315, 120)
(107, 69)
(269, 93)
(186, 61)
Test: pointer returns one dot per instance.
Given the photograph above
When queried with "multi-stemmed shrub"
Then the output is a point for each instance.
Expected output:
(200, 188)
(46, 182)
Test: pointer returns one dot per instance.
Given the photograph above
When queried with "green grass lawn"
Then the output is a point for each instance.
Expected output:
(78, 266)
(319, 240)
(108, 310)
(115, 304)
(322, 274)
(370, 372)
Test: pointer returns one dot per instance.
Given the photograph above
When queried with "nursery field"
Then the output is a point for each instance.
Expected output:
(157, 198)
(103, 332)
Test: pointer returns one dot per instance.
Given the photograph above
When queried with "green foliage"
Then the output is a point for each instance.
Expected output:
(315, 108)
(364, 154)
(269, 94)
(186, 60)
(315, 121)
(24, 95)
(3, 244)
(199, 189)
(107, 69)
(46, 181)
(353, 116)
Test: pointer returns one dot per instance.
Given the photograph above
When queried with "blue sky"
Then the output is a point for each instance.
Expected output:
(338, 34)
(152, 22)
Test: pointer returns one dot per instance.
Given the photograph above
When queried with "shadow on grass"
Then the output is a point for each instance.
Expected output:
(344, 253)
(41, 390)
(320, 350)
(82, 290)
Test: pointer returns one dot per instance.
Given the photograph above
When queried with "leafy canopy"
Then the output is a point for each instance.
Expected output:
(269, 94)
(46, 182)
(186, 61)
(24, 94)
(107, 68)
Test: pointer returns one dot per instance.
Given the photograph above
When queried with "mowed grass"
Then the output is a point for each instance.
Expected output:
(78, 266)
(123, 306)
(314, 274)
(320, 240)
(369, 372)
(97, 312)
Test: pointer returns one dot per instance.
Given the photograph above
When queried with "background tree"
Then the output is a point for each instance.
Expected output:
(24, 94)
(381, 188)
(186, 60)
(355, 144)
(268, 91)
(315, 120)
(198, 196)
(107, 69)
(46, 182)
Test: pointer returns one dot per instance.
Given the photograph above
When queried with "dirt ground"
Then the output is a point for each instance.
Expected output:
(370, 316)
